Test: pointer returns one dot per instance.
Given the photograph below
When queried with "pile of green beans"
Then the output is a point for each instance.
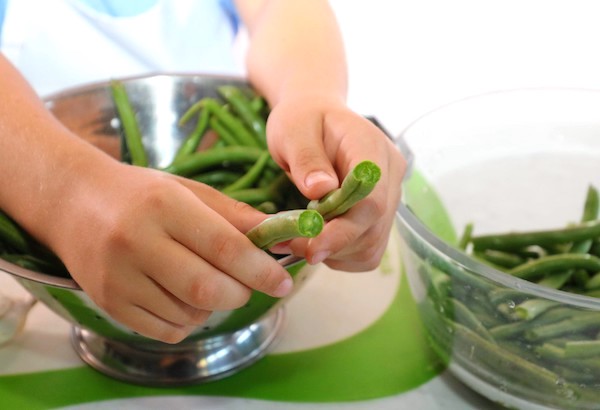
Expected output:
(236, 162)
(526, 345)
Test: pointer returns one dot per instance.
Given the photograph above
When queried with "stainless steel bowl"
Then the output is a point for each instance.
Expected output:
(228, 341)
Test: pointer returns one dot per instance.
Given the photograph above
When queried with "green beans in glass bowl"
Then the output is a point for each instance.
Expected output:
(501, 243)
(161, 126)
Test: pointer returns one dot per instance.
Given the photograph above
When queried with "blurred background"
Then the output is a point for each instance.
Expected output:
(408, 57)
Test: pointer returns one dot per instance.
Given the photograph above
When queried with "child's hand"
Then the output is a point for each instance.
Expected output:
(318, 141)
(159, 253)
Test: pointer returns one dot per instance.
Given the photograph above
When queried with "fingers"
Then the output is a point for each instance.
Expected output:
(224, 249)
(150, 310)
(357, 240)
(297, 146)
(191, 280)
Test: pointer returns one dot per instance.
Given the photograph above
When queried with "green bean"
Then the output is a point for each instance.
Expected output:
(593, 283)
(501, 295)
(217, 177)
(225, 135)
(488, 316)
(271, 193)
(191, 143)
(202, 160)
(356, 185)
(254, 196)
(463, 315)
(132, 134)
(439, 282)
(558, 280)
(591, 205)
(190, 112)
(550, 351)
(12, 234)
(518, 240)
(557, 354)
(284, 226)
(580, 322)
(580, 277)
(532, 308)
(592, 293)
(250, 176)
(232, 123)
(479, 350)
(258, 104)
(465, 238)
(582, 349)
(509, 330)
(234, 96)
(267, 207)
(552, 263)
(590, 213)
(500, 258)
(595, 249)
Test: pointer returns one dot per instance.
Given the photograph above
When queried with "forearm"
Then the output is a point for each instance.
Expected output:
(39, 157)
(295, 49)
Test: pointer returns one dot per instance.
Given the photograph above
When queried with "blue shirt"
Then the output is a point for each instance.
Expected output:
(120, 8)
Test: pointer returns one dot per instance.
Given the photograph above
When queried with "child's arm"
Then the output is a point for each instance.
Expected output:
(296, 60)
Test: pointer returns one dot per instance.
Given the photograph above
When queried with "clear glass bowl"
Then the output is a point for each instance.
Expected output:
(518, 160)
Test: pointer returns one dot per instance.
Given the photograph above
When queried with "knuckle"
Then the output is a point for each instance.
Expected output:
(242, 207)
(203, 294)
(224, 247)
(377, 209)
(266, 279)
(304, 156)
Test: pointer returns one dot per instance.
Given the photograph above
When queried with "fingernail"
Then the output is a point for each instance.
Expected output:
(320, 257)
(284, 288)
(316, 177)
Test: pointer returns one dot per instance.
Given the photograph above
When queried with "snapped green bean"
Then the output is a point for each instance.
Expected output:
(285, 226)
(359, 183)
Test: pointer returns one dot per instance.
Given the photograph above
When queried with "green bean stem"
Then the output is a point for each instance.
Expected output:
(356, 185)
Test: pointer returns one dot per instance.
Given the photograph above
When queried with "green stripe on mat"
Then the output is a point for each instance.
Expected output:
(389, 357)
